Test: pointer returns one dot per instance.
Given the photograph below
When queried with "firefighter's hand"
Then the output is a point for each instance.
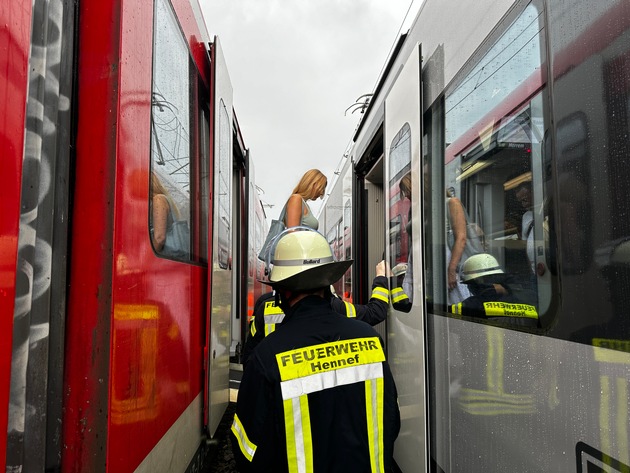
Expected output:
(382, 269)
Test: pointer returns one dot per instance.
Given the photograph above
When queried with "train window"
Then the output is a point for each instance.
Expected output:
(204, 180)
(225, 180)
(400, 210)
(171, 137)
(497, 262)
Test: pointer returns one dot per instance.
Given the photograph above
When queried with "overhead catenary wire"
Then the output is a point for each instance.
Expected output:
(362, 105)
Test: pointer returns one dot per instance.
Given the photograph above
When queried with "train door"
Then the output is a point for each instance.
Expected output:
(368, 208)
(220, 237)
(406, 352)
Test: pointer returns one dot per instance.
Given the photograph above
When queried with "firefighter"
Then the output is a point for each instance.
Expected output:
(268, 316)
(495, 295)
(317, 395)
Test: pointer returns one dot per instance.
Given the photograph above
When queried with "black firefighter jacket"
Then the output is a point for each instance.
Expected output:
(316, 396)
(516, 308)
(268, 316)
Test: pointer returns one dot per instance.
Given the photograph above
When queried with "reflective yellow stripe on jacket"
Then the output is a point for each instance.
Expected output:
(398, 295)
(374, 404)
(252, 326)
(613, 357)
(381, 294)
(456, 308)
(247, 447)
(297, 423)
(501, 309)
(311, 369)
(508, 309)
(350, 310)
(272, 315)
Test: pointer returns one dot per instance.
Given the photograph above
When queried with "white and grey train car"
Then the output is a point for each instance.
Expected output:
(479, 99)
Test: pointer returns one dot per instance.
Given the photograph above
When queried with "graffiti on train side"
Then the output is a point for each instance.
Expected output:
(46, 107)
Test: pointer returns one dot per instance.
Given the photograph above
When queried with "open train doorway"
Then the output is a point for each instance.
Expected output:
(374, 225)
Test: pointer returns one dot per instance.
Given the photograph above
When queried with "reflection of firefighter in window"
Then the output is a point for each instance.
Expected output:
(609, 337)
(400, 299)
(504, 300)
(496, 295)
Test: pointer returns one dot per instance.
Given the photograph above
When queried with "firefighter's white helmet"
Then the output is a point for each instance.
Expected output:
(480, 265)
(302, 259)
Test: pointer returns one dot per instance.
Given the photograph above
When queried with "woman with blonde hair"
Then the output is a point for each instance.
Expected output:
(312, 186)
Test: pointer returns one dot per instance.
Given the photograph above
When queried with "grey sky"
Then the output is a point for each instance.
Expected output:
(295, 66)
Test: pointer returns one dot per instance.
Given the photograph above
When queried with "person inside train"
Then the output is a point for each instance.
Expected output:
(317, 395)
(311, 186)
(268, 315)
(523, 194)
(495, 295)
(170, 234)
(161, 215)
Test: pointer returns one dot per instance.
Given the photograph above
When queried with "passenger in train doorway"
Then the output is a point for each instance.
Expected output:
(312, 186)
(495, 295)
(459, 246)
(268, 315)
(523, 194)
(317, 395)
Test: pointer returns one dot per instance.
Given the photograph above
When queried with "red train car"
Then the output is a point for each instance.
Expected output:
(114, 351)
